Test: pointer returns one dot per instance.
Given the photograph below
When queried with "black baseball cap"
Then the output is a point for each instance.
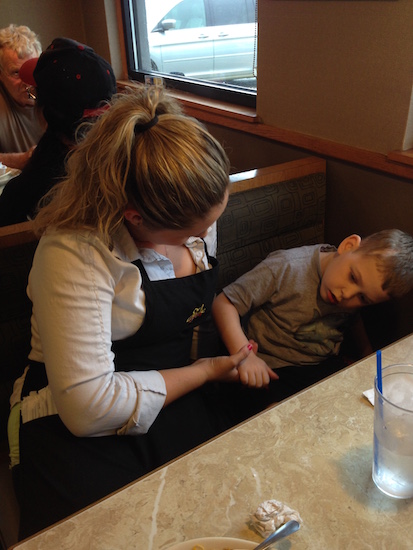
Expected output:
(71, 82)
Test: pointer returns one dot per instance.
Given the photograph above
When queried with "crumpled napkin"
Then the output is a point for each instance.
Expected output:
(271, 514)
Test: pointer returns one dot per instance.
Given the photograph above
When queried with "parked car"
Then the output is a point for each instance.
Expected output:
(203, 39)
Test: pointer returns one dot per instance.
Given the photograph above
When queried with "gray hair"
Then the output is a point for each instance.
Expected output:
(21, 40)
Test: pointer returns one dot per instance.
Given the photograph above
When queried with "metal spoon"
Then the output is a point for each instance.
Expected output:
(285, 530)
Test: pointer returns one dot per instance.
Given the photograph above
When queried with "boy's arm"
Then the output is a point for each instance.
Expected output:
(228, 322)
(253, 372)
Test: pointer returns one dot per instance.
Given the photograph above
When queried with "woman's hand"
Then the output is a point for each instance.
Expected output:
(225, 368)
(179, 381)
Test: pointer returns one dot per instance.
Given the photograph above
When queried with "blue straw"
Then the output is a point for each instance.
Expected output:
(379, 376)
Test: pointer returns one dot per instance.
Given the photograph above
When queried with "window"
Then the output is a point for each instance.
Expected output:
(208, 47)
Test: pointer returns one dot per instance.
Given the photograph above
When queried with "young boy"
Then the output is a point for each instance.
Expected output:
(297, 303)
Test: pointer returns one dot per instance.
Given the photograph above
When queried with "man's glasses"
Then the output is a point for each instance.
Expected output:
(31, 92)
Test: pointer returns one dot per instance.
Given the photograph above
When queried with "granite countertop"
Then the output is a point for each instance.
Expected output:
(312, 452)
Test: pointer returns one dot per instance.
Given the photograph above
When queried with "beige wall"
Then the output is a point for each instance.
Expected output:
(93, 22)
(340, 70)
(48, 18)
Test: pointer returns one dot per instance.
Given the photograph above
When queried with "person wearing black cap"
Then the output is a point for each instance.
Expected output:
(72, 83)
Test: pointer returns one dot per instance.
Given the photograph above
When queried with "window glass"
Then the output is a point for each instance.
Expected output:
(232, 13)
(203, 46)
(188, 14)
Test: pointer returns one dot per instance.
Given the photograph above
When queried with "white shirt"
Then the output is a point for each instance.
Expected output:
(84, 297)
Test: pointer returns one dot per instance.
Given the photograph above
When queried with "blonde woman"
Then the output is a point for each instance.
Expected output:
(119, 280)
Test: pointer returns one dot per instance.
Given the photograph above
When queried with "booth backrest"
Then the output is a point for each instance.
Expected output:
(277, 207)
(17, 246)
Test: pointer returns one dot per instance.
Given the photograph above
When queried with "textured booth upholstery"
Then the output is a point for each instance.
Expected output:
(17, 246)
(277, 207)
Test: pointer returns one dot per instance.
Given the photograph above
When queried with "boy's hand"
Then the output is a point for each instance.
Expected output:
(255, 373)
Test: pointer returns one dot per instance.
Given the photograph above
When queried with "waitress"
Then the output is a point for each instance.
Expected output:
(120, 278)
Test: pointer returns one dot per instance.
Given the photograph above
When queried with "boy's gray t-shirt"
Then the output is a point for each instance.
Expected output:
(288, 319)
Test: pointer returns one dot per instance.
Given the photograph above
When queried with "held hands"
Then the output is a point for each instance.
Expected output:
(254, 372)
(181, 380)
(224, 368)
(242, 366)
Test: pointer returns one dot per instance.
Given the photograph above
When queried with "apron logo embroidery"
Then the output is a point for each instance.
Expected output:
(198, 311)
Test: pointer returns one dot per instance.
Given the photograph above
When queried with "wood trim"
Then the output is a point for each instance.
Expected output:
(312, 145)
(276, 174)
(403, 157)
(245, 120)
(19, 233)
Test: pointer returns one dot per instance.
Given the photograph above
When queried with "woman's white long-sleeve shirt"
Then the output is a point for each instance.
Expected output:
(85, 296)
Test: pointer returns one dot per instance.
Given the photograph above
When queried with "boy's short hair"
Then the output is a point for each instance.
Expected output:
(393, 250)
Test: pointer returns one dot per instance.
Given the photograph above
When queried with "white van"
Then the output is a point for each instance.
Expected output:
(203, 39)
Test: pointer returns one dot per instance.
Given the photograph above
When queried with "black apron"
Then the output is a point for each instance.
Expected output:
(60, 473)
(174, 307)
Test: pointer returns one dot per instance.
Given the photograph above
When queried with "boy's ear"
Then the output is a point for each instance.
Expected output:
(132, 215)
(352, 242)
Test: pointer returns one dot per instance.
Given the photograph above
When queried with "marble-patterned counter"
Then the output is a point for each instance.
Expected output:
(313, 452)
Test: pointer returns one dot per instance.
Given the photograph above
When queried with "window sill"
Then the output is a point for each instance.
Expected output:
(209, 108)
(216, 108)
(401, 157)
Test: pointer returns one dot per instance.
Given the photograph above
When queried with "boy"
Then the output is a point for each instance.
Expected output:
(300, 301)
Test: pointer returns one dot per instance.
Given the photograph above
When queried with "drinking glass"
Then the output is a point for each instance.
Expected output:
(393, 432)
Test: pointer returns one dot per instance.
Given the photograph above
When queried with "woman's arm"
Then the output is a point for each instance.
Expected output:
(72, 286)
(185, 379)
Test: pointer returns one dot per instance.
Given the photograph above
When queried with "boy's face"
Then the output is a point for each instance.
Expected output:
(352, 280)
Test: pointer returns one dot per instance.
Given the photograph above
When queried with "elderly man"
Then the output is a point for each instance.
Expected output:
(21, 123)
(72, 84)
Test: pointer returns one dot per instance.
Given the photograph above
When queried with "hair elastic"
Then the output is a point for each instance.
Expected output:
(140, 128)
